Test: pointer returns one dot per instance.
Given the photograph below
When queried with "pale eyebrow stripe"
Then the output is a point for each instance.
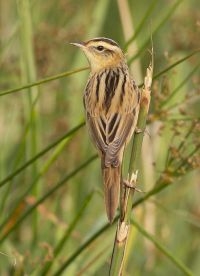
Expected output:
(107, 40)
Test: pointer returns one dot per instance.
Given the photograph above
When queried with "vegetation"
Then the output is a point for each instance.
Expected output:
(53, 218)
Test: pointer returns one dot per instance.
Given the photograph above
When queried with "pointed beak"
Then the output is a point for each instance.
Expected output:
(78, 44)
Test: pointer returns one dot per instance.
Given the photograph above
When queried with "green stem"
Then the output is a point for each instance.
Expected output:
(46, 196)
(42, 171)
(121, 238)
(163, 21)
(80, 249)
(177, 262)
(41, 153)
(42, 81)
(142, 22)
(163, 103)
(66, 236)
(176, 63)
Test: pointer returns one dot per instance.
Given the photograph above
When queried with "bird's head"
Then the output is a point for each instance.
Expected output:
(102, 53)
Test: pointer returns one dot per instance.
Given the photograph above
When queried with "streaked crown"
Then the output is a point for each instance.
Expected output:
(102, 53)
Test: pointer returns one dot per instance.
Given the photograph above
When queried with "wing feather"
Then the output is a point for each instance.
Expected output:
(97, 133)
(111, 135)
(124, 131)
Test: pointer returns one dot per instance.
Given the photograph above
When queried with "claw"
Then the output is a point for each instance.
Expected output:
(130, 182)
(138, 130)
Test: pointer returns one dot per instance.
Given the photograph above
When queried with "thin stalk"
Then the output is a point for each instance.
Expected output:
(42, 171)
(142, 22)
(89, 241)
(128, 31)
(159, 186)
(29, 75)
(184, 269)
(46, 196)
(184, 161)
(126, 201)
(17, 158)
(168, 68)
(176, 63)
(174, 92)
(40, 154)
(42, 81)
(67, 234)
(164, 19)
(16, 161)
(181, 145)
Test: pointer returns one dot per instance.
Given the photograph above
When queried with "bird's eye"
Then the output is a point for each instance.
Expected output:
(100, 48)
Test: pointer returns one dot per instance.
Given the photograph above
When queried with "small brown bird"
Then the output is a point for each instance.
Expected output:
(111, 102)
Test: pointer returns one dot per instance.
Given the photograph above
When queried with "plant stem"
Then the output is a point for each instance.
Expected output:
(121, 237)
(165, 251)
(29, 75)
(45, 80)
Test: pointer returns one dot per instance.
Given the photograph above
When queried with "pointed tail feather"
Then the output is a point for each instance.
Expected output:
(111, 179)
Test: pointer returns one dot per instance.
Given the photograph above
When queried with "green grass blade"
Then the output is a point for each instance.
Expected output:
(37, 177)
(88, 242)
(142, 22)
(185, 270)
(175, 91)
(46, 196)
(176, 63)
(66, 236)
(173, 65)
(40, 154)
(163, 21)
(42, 81)
(29, 75)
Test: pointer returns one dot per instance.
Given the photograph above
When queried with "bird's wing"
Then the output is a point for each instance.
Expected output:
(119, 136)
(110, 136)
(96, 128)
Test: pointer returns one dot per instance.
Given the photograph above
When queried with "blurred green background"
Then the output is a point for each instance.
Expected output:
(51, 200)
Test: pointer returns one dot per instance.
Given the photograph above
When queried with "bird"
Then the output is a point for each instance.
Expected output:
(111, 101)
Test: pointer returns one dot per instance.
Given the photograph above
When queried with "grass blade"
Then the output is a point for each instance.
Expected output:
(47, 195)
(185, 270)
(45, 80)
(41, 153)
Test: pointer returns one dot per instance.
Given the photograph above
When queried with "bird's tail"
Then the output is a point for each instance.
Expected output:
(111, 179)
